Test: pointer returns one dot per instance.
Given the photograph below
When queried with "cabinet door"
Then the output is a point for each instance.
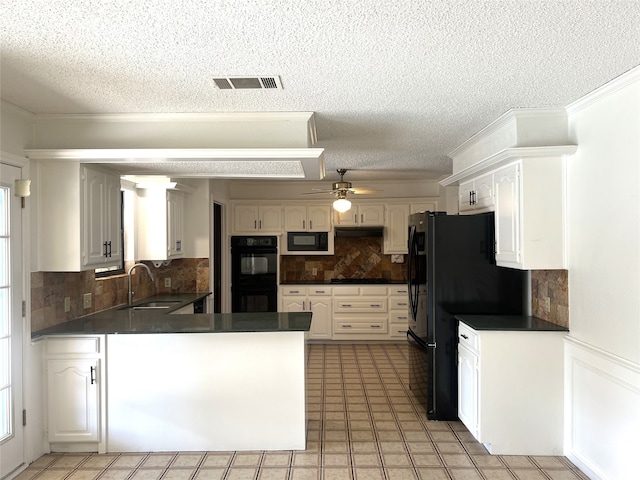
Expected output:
(507, 216)
(371, 215)
(94, 241)
(483, 188)
(396, 229)
(319, 218)
(245, 218)
(113, 218)
(348, 218)
(73, 399)
(295, 218)
(321, 319)
(468, 388)
(465, 193)
(175, 223)
(294, 304)
(270, 218)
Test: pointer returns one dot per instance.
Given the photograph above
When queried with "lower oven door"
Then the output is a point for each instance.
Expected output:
(254, 299)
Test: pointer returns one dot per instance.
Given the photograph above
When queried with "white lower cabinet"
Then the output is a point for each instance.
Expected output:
(398, 312)
(360, 313)
(510, 389)
(316, 300)
(74, 386)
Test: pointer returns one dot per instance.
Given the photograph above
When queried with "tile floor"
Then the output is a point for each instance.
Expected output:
(363, 424)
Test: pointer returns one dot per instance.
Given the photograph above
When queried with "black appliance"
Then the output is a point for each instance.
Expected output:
(451, 270)
(307, 241)
(254, 270)
(358, 280)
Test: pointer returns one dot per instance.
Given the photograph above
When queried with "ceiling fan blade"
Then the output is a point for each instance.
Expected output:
(319, 192)
(364, 191)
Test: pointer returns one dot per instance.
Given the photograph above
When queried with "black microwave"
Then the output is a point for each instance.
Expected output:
(307, 241)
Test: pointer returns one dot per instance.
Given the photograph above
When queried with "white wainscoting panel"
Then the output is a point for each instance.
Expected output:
(602, 412)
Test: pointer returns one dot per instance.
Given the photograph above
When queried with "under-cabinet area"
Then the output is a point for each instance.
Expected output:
(493, 358)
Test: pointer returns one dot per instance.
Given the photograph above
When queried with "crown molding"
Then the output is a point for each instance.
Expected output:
(628, 78)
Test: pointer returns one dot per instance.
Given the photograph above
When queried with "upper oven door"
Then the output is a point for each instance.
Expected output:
(254, 267)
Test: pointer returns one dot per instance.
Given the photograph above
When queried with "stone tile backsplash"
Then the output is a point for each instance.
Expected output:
(550, 296)
(359, 257)
(49, 289)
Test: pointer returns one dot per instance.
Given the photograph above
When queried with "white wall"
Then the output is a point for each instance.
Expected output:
(602, 356)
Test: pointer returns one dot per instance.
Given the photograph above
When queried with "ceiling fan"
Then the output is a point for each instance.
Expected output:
(340, 189)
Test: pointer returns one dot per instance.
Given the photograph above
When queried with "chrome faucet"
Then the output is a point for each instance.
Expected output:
(129, 275)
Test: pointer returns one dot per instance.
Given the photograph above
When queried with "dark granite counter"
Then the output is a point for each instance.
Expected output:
(509, 323)
(123, 320)
(337, 284)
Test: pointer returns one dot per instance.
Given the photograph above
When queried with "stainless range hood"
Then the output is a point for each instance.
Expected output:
(358, 232)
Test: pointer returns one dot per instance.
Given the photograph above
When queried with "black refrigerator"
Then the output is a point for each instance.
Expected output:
(451, 270)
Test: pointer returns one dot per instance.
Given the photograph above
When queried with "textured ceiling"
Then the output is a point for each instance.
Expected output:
(395, 85)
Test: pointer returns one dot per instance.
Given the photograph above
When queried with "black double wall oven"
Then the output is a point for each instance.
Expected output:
(254, 270)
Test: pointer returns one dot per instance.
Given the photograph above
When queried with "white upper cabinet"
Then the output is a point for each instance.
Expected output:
(516, 167)
(253, 218)
(79, 214)
(365, 214)
(396, 228)
(477, 194)
(307, 218)
(160, 223)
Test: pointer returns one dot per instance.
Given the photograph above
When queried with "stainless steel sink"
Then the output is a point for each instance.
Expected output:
(155, 305)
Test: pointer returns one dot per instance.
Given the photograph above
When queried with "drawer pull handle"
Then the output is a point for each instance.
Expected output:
(403, 304)
(375, 305)
(93, 377)
(346, 326)
(376, 326)
(464, 336)
(294, 291)
(346, 305)
(320, 291)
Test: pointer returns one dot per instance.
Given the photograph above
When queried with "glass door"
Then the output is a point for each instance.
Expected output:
(11, 402)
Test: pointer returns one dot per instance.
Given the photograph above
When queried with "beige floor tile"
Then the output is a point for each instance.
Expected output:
(516, 461)
(528, 474)
(490, 461)
(465, 474)
(400, 474)
(276, 459)
(28, 474)
(364, 447)
(549, 462)
(340, 473)
(449, 447)
(497, 474)
(389, 435)
(456, 460)
(335, 435)
(147, 474)
(360, 424)
(99, 461)
(336, 447)
(178, 474)
(115, 474)
(217, 460)
(562, 474)
(188, 460)
(45, 461)
(157, 460)
(304, 459)
(421, 447)
(335, 425)
(70, 461)
(210, 474)
(55, 473)
(365, 459)
(245, 459)
(392, 447)
(128, 460)
(336, 460)
(273, 474)
(335, 416)
(82, 474)
(396, 460)
(368, 473)
(442, 436)
(426, 460)
(362, 435)
(305, 474)
(432, 473)
(241, 474)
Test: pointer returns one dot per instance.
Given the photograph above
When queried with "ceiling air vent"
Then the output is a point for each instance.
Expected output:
(240, 83)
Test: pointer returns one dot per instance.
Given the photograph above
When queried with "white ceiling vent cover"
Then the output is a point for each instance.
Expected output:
(242, 83)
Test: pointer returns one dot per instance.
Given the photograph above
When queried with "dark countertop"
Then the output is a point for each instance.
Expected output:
(125, 321)
(330, 284)
(509, 323)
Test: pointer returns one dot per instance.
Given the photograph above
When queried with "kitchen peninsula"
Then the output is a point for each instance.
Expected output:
(177, 382)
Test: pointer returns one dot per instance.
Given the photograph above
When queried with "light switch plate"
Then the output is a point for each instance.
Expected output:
(167, 282)
(67, 304)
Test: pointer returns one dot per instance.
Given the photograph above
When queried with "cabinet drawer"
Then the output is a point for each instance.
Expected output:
(399, 290)
(360, 305)
(399, 317)
(360, 326)
(398, 330)
(319, 290)
(288, 290)
(73, 345)
(378, 291)
(342, 290)
(399, 303)
(467, 337)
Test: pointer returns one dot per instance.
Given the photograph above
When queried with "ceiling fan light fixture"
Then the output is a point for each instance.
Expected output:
(342, 205)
